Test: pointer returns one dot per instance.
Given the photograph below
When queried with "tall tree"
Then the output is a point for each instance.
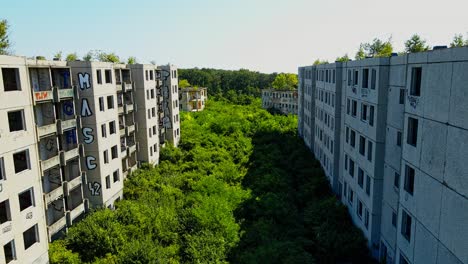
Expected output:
(183, 83)
(458, 41)
(131, 60)
(285, 81)
(72, 57)
(107, 57)
(376, 48)
(416, 44)
(5, 44)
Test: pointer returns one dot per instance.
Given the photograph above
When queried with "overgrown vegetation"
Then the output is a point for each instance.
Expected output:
(240, 188)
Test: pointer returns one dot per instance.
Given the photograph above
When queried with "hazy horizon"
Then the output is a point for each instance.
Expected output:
(265, 36)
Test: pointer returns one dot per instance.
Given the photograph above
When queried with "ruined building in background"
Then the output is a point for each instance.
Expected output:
(401, 166)
(192, 99)
(284, 101)
(71, 133)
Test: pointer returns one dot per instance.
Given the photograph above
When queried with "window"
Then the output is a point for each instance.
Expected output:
(360, 177)
(153, 112)
(412, 137)
(10, 252)
(359, 209)
(394, 217)
(373, 79)
(353, 139)
(108, 76)
(365, 78)
(364, 112)
(16, 120)
(114, 152)
(146, 75)
(26, 199)
(334, 78)
(416, 81)
(349, 77)
(112, 127)
(354, 108)
(2, 169)
(151, 75)
(402, 96)
(356, 77)
(347, 106)
(366, 219)
(346, 162)
(11, 80)
(369, 150)
(21, 161)
(99, 76)
(371, 115)
(30, 237)
(347, 134)
(116, 176)
(5, 212)
(406, 225)
(368, 184)
(110, 102)
(101, 104)
(409, 179)
(107, 182)
(154, 130)
(152, 93)
(103, 131)
(106, 156)
(351, 168)
(396, 180)
(398, 138)
(362, 145)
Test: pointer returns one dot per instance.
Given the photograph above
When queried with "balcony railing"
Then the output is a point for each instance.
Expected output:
(127, 87)
(53, 195)
(41, 96)
(70, 185)
(68, 155)
(46, 129)
(128, 108)
(129, 129)
(120, 109)
(131, 149)
(65, 93)
(56, 227)
(73, 214)
(50, 163)
(67, 124)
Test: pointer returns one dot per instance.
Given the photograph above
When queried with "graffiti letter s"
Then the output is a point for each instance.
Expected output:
(88, 134)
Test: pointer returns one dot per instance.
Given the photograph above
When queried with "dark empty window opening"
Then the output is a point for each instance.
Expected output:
(365, 78)
(369, 150)
(396, 180)
(116, 176)
(360, 177)
(412, 137)
(409, 179)
(373, 79)
(112, 127)
(5, 212)
(416, 74)
(2, 169)
(107, 182)
(406, 225)
(101, 104)
(353, 138)
(21, 161)
(362, 145)
(16, 121)
(30, 237)
(402, 96)
(108, 76)
(110, 102)
(26, 199)
(356, 77)
(11, 80)
(10, 251)
(151, 75)
(99, 76)
(114, 152)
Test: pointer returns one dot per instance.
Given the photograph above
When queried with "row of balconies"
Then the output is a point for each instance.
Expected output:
(67, 219)
(54, 95)
(124, 87)
(61, 158)
(65, 188)
(58, 125)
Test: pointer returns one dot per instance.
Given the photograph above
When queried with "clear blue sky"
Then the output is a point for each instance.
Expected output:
(263, 35)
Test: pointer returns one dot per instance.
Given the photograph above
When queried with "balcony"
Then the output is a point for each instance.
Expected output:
(70, 185)
(42, 96)
(131, 149)
(56, 227)
(129, 129)
(46, 129)
(123, 154)
(53, 195)
(67, 124)
(128, 108)
(50, 163)
(73, 214)
(127, 87)
(68, 155)
(118, 87)
(120, 109)
(65, 94)
(364, 92)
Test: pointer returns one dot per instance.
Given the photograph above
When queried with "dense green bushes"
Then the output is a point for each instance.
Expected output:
(240, 188)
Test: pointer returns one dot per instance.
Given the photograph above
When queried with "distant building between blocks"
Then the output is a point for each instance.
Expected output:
(192, 99)
(71, 133)
(284, 101)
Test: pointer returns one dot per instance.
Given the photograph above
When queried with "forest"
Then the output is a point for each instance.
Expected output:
(241, 188)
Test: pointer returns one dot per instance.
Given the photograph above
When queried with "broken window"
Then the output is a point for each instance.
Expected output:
(107, 182)
(365, 78)
(412, 137)
(99, 76)
(11, 80)
(116, 176)
(101, 104)
(26, 199)
(5, 212)
(16, 120)
(21, 161)
(2, 169)
(108, 76)
(10, 251)
(30, 237)
(114, 152)
(416, 74)
(110, 102)
(112, 127)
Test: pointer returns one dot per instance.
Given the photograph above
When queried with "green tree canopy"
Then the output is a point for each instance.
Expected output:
(5, 44)
(318, 62)
(107, 57)
(183, 83)
(458, 41)
(58, 55)
(88, 56)
(285, 81)
(376, 48)
(72, 57)
(416, 44)
(131, 60)
(344, 58)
